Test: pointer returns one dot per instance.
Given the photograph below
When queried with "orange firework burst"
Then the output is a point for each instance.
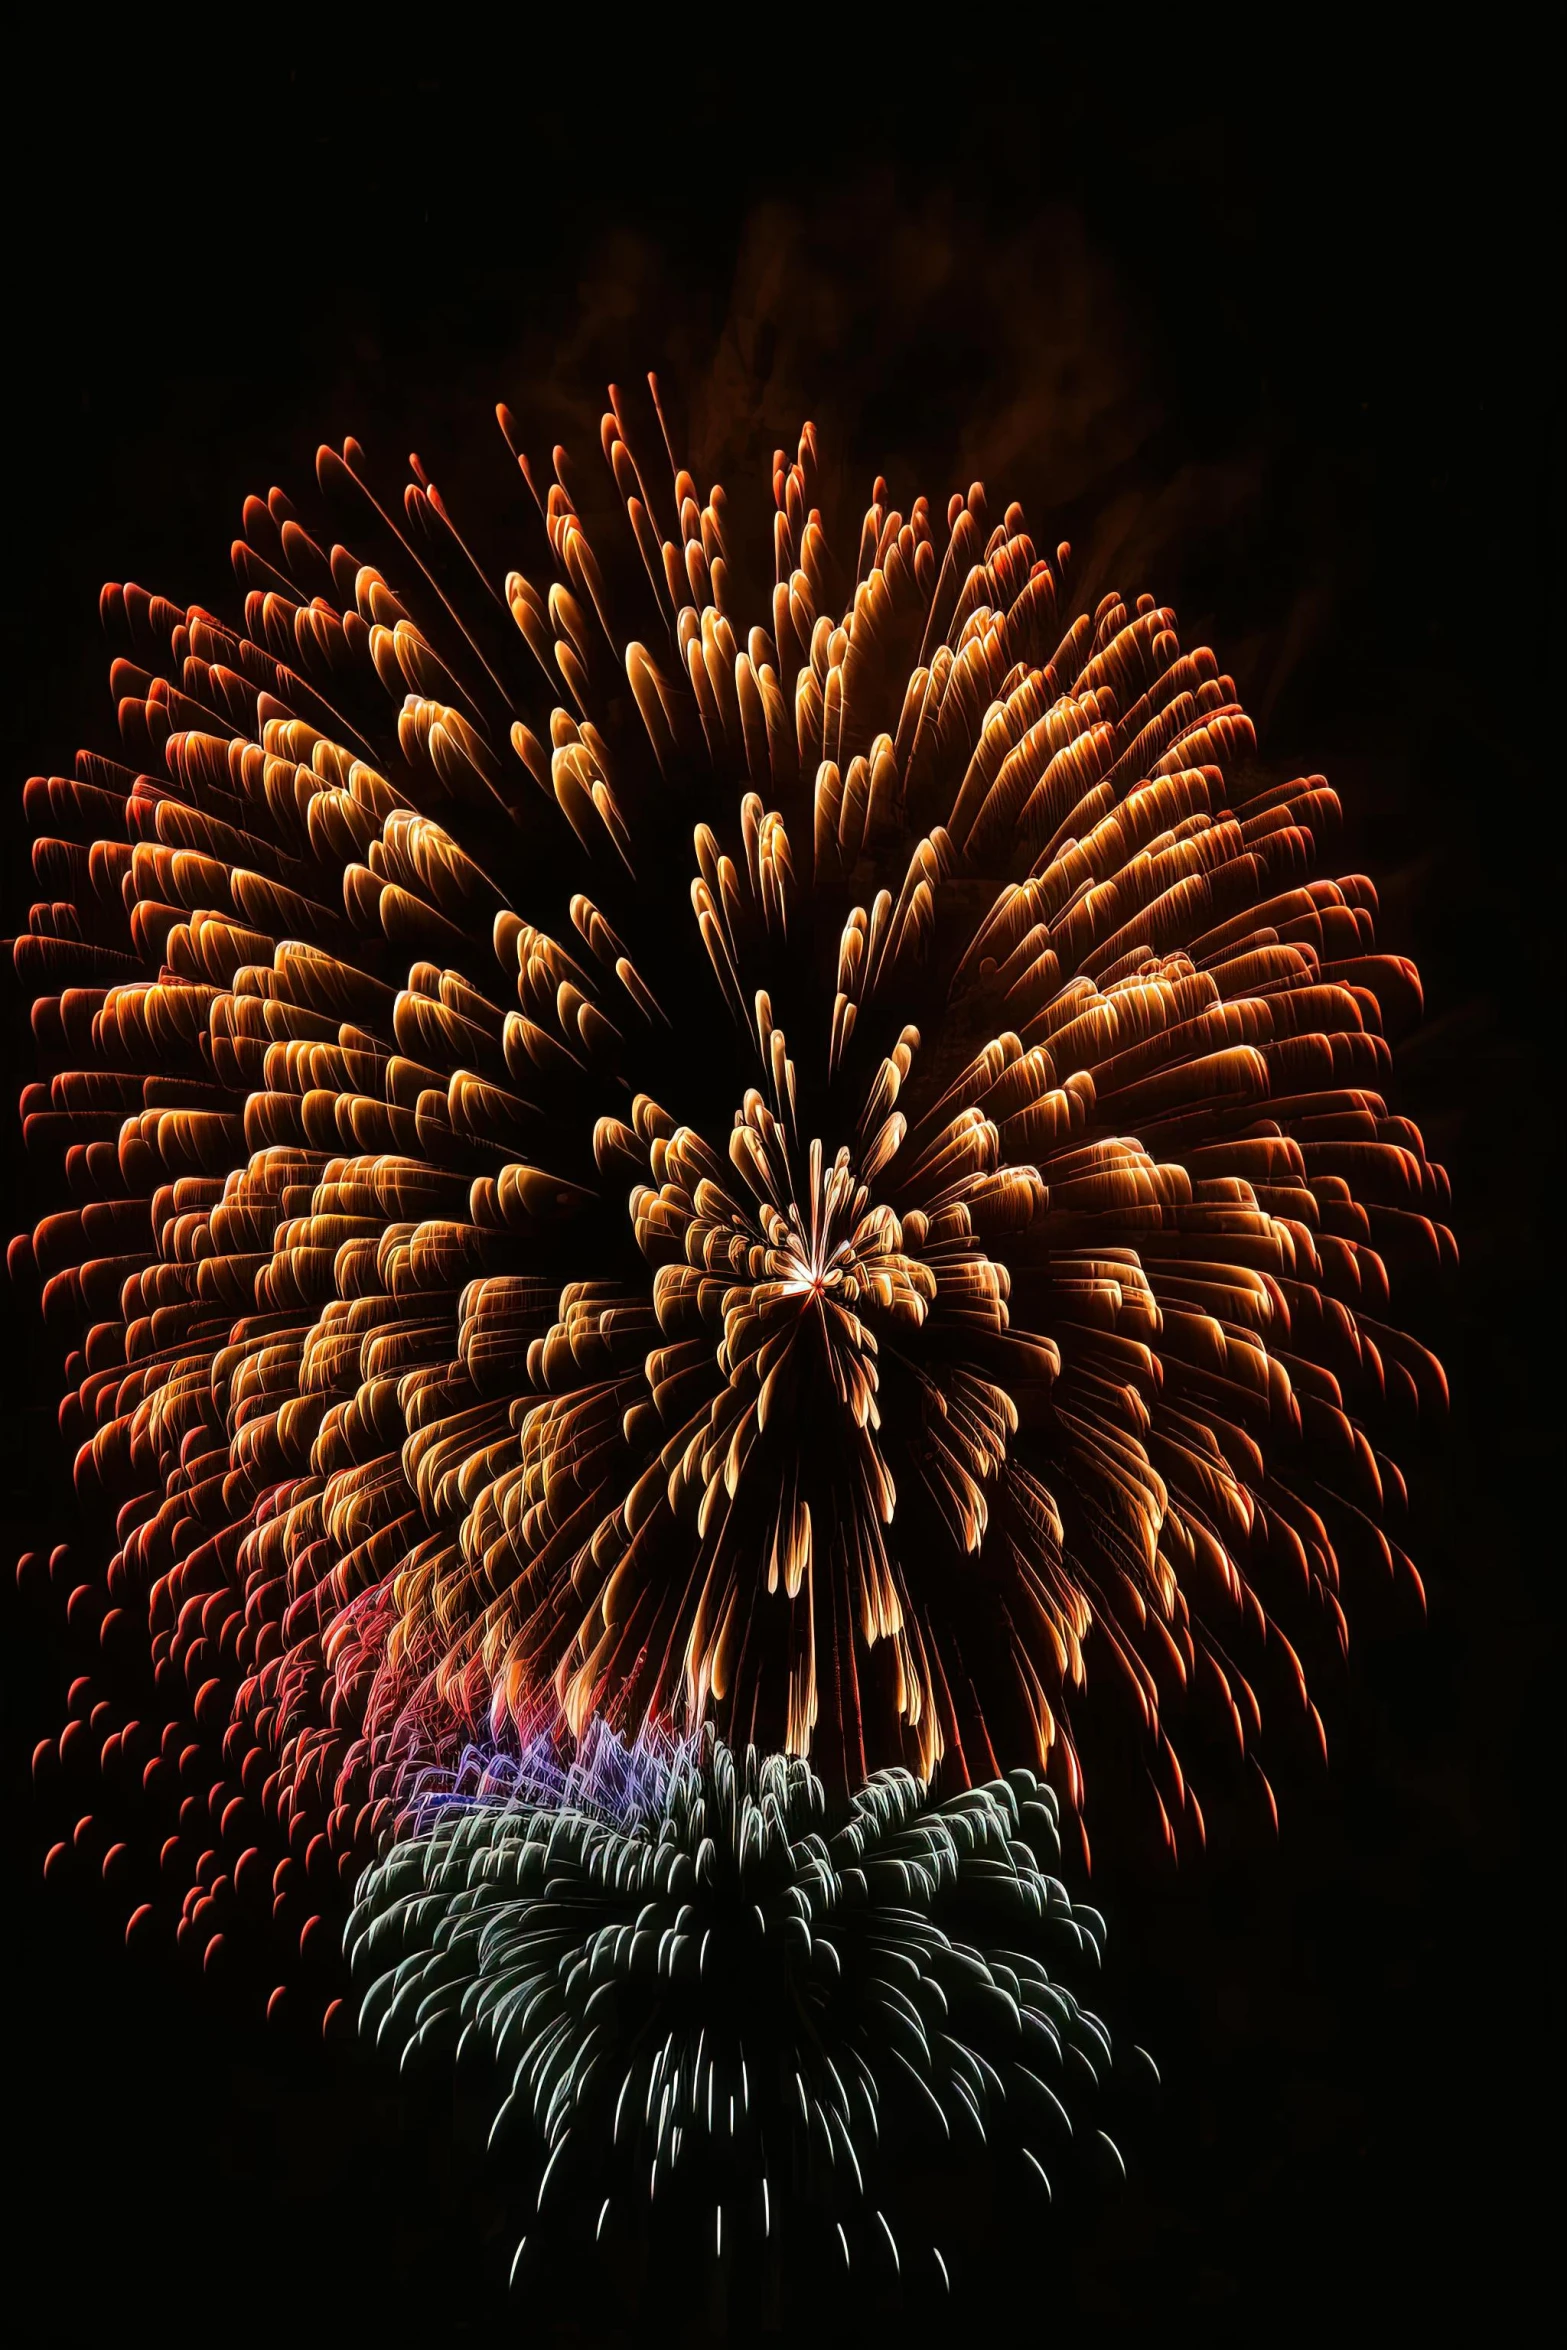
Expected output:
(831, 1179)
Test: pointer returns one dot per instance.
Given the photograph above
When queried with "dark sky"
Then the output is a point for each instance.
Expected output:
(1282, 345)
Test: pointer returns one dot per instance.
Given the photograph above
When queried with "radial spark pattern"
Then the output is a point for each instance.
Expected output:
(725, 2021)
(831, 1179)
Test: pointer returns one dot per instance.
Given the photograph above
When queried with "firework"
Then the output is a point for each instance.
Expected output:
(829, 1178)
(728, 2024)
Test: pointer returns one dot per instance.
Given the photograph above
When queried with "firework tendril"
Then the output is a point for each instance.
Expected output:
(735, 2012)
(623, 1176)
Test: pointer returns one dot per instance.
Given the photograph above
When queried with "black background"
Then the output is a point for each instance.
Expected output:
(1281, 343)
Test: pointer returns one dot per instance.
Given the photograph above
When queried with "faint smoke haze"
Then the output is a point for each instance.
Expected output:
(928, 346)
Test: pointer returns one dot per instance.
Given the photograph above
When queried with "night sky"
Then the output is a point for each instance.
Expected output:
(1284, 348)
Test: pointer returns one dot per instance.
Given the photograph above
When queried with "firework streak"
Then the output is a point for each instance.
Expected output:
(725, 1997)
(829, 1181)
